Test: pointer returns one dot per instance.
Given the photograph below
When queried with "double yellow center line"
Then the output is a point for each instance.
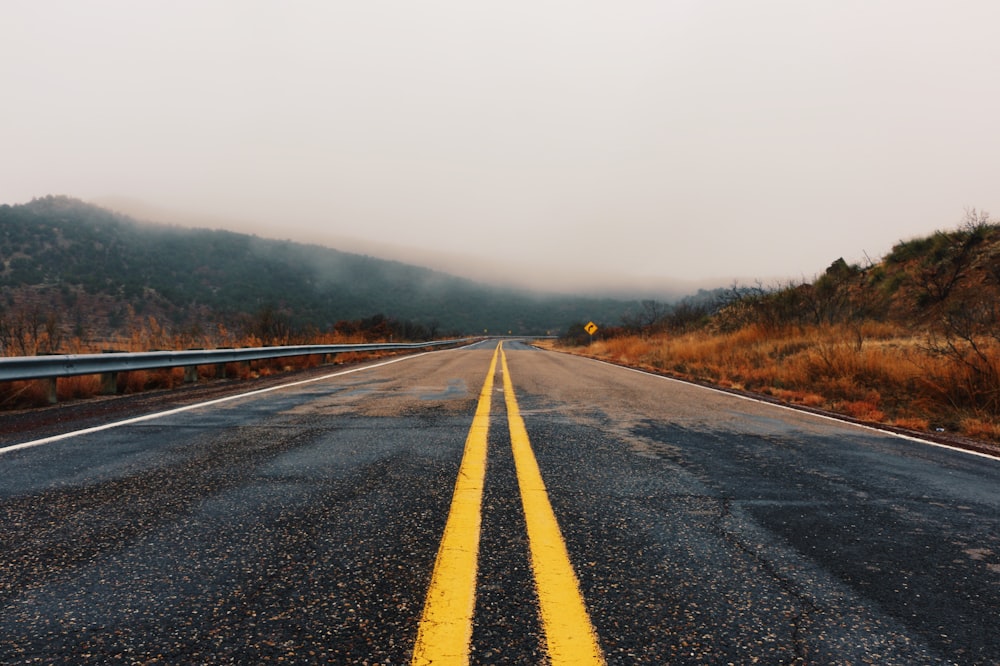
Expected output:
(445, 632)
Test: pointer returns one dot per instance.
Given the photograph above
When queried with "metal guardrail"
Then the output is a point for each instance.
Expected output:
(69, 365)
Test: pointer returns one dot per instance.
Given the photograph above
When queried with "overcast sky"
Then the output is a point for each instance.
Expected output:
(563, 145)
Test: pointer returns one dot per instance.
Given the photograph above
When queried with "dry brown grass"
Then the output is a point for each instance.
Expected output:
(875, 373)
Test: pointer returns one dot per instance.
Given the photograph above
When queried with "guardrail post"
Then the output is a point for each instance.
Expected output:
(109, 380)
(50, 390)
(191, 371)
(109, 383)
(220, 368)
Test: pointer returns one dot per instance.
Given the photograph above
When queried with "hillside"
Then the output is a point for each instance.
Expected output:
(93, 272)
(912, 340)
(924, 283)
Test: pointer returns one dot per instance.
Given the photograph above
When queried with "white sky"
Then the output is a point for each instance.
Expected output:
(562, 145)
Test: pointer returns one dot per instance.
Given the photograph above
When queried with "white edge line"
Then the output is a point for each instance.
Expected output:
(178, 410)
(797, 411)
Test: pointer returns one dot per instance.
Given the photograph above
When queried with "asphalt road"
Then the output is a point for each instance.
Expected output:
(302, 525)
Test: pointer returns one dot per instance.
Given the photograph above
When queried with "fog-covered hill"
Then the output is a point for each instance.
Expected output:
(94, 268)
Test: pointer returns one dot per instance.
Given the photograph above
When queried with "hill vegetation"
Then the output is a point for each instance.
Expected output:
(77, 277)
(912, 340)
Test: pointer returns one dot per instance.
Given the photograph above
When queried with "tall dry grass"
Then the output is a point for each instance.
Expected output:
(874, 372)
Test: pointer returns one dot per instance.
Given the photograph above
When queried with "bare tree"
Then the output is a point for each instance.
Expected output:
(948, 262)
(647, 318)
(969, 336)
(53, 335)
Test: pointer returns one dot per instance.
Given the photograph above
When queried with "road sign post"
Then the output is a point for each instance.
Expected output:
(591, 328)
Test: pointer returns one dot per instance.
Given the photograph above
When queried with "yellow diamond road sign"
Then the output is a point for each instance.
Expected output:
(591, 328)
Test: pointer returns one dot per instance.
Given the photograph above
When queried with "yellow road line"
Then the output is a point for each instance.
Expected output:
(445, 630)
(570, 636)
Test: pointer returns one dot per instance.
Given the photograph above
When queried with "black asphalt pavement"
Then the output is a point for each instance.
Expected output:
(301, 525)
